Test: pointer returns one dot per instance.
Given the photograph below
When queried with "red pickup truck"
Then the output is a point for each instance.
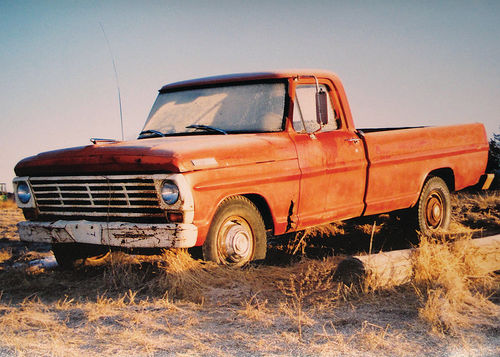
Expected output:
(226, 162)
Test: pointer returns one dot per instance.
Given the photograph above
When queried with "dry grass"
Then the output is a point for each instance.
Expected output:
(478, 212)
(257, 309)
(5, 254)
(174, 305)
(298, 243)
(452, 286)
(8, 204)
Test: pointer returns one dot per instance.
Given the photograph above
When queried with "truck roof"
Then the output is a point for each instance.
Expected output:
(251, 76)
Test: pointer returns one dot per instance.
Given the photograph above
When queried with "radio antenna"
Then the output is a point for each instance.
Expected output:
(116, 77)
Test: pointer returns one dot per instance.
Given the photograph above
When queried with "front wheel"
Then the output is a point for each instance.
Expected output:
(70, 255)
(237, 234)
(67, 254)
(433, 209)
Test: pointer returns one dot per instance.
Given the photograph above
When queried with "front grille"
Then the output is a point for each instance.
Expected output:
(127, 198)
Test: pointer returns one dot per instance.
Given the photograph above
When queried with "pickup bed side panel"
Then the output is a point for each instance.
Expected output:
(400, 160)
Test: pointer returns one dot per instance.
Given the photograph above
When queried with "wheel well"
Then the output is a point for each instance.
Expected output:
(446, 174)
(261, 204)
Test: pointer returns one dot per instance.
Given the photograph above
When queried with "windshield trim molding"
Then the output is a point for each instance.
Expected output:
(202, 85)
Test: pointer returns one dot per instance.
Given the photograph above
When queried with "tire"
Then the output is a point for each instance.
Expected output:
(237, 234)
(433, 210)
(67, 254)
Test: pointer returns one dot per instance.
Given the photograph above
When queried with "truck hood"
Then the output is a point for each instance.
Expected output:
(168, 154)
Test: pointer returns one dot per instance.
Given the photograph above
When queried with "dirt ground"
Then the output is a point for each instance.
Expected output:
(289, 305)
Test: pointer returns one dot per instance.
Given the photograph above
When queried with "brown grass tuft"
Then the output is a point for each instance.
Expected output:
(182, 276)
(257, 309)
(452, 287)
(479, 212)
(125, 272)
(298, 243)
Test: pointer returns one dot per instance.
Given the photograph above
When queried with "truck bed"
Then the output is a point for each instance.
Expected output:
(400, 159)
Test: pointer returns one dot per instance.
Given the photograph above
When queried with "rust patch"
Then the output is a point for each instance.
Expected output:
(289, 221)
(131, 235)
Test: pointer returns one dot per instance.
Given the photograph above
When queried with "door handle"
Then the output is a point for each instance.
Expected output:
(353, 140)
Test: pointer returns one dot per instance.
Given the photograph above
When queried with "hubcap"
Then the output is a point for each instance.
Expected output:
(434, 210)
(236, 240)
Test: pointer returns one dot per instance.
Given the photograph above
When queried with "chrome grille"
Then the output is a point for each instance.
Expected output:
(96, 196)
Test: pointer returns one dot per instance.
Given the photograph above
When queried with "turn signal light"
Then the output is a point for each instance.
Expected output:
(175, 217)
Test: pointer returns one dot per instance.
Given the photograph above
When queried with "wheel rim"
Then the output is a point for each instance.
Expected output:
(235, 241)
(434, 210)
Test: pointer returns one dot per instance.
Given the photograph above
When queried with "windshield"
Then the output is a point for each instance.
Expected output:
(236, 108)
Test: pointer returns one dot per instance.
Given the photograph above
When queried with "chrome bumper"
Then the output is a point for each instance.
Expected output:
(115, 234)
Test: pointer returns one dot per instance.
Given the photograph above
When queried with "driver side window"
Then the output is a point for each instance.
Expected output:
(304, 110)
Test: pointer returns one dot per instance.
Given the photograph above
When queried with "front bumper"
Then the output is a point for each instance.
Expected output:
(115, 234)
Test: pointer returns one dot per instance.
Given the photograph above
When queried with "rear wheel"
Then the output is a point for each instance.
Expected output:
(433, 210)
(237, 234)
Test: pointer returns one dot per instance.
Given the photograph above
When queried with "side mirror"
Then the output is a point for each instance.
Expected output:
(321, 108)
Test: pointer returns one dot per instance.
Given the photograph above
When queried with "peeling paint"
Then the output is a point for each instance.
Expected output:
(119, 234)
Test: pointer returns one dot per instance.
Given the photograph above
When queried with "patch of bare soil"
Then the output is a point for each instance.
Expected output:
(289, 305)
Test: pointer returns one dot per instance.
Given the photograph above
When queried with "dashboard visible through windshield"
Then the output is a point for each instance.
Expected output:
(242, 108)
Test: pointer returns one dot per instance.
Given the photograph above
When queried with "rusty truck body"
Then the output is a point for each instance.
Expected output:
(225, 162)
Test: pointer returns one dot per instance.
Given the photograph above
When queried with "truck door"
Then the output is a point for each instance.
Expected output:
(332, 161)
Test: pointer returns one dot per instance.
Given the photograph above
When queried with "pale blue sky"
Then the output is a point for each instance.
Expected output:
(402, 62)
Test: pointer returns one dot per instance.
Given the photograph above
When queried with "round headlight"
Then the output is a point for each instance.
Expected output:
(23, 192)
(169, 192)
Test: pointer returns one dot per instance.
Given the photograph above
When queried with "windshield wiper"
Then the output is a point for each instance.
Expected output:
(153, 133)
(206, 128)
